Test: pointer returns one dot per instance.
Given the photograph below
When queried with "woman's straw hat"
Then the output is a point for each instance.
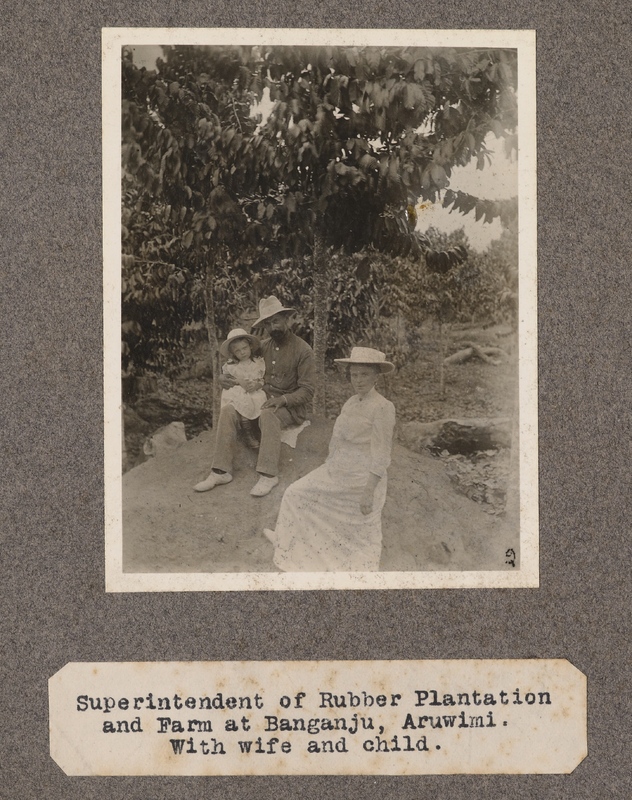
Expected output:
(238, 333)
(268, 307)
(367, 355)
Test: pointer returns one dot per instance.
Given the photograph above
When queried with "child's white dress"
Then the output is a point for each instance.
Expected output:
(247, 403)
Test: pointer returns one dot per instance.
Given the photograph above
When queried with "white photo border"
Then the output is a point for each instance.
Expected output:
(527, 575)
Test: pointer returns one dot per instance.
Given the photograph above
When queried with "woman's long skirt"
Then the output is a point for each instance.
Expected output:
(320, 526)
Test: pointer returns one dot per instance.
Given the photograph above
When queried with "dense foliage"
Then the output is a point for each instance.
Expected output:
(316, 203)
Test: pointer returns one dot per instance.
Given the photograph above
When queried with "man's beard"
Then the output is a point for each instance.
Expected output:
(277, 336)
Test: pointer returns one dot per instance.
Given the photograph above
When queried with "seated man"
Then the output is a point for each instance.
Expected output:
(289, 386)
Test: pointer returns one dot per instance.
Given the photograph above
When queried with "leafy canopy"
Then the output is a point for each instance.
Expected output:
(355, 137)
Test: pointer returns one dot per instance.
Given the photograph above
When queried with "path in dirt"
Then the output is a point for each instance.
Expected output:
(167, 527)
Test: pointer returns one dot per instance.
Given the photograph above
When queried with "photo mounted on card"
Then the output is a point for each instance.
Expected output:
(319, 309)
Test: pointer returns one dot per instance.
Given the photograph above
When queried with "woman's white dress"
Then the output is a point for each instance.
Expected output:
(320, 526)
(247, 403)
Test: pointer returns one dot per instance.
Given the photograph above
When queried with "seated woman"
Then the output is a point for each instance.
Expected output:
(331, 519)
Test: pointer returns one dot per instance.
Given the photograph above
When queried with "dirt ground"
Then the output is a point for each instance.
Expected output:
(167, 527)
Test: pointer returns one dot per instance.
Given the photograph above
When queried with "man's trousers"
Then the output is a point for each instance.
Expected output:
(271, 423)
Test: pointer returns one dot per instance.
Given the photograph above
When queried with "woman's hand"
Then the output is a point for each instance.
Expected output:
(366, 499)
(366, 502)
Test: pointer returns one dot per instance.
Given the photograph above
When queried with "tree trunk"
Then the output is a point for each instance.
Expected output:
(401, 330)
(442, 350)
(321, 297)
(459, 357)
(212, 337)
(470, 350)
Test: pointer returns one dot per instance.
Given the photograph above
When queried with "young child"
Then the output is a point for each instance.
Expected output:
(246, 366)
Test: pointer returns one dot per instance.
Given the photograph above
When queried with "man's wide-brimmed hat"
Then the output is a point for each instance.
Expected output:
(367, 355)
(238, 333)
(268, 307)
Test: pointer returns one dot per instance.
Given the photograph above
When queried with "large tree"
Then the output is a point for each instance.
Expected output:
(357, 135)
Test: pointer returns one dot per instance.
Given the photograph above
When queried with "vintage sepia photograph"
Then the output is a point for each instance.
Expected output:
(320, 309)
